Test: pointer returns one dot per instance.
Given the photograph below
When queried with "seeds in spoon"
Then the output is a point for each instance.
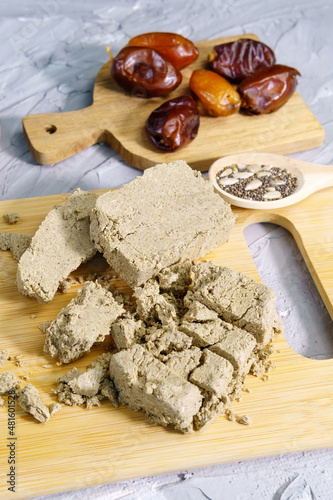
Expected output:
(256, 182)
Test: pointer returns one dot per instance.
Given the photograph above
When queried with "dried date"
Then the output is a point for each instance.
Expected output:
(240, 59)
(173, 124)
(145, 72)
(177, 49)
(268, 89)
(216, 94)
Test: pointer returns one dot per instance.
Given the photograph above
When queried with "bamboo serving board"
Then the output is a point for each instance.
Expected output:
(119, 119)
(78, 448)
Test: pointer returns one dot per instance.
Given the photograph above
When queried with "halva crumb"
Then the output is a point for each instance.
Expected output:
(15, 243)
(3, 356)
(244, 420)
(8, 382)
(31, 402)
(54, 408)
(11, 218)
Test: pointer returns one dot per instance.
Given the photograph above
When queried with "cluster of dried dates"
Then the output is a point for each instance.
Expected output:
(150, 65)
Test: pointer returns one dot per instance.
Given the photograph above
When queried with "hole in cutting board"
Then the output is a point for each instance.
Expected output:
(308, 327)
(51, 129)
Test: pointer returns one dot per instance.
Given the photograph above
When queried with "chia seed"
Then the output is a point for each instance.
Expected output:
(278, 180)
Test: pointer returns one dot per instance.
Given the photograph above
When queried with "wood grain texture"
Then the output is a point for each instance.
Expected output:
(79, 448)
(118, 119)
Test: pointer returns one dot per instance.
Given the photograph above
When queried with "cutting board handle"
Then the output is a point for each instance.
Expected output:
(53, 137)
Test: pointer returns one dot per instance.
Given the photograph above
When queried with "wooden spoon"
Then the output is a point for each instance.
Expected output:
(310, 177)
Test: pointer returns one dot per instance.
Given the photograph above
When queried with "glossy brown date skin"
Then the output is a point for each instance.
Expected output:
(145, 72)
(268, 89)
(177, 49)
(240, 59)
(173, 124)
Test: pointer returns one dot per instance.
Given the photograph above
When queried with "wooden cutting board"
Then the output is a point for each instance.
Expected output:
(119, 119)
(78, 448)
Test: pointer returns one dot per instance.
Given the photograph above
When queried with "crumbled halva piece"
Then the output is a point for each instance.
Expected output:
(204, 334)
(44, 325)
(244, 420)
(162, 341)
(237, 347)
(175, 279)
(11, 218)
(183, 362)
(214, 374)
(238, 299)
(232, 416)
(108, 390)
(60, 245)
(127, 331)
(65, 284)
(261, 366)
(88, 383)
(89, 387)
(86, 320)
(152, 306)
(2, 402)
(197, 345)
(199, 313)
(93, 401)
(145, 383)
(3, 356)
(64, 392)
(31, 402)
(8, 382)
(169, 214)
(15, 243)
(212, 407)
(54, 408)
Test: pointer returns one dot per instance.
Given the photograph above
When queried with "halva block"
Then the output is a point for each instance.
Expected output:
(237, 346)
(86, 320)
(59, 246)
(237, 299)
(145, 383)
(214, 374)
(169, 214)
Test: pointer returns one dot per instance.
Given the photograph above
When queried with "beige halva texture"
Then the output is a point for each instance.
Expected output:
(181, 360)
(28, 397)
(59, 246)
(185, 369)
(15, 243)
(87, 319)
(193, 333)
(168, 214)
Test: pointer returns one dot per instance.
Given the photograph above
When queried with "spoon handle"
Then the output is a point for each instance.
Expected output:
(316, 177)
